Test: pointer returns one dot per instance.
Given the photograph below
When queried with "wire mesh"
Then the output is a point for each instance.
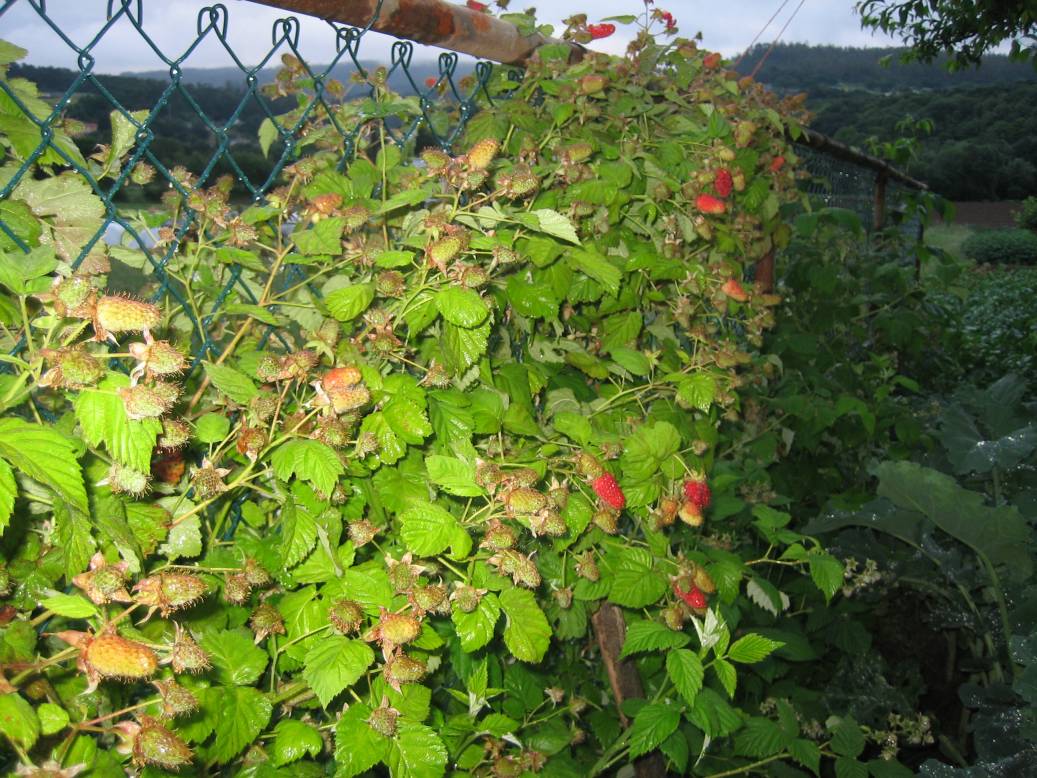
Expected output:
(440, 106)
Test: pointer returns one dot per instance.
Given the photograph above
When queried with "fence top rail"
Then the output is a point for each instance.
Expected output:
(433, 22)
(834, 148)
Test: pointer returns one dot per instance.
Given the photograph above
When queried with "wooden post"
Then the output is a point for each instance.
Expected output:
(764, 274)
(610, 630)
(434, 22)
(880, 200)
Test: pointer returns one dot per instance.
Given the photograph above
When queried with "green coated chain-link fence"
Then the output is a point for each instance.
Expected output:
(438, 104)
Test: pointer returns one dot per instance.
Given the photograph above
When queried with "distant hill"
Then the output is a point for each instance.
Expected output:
(799, 67)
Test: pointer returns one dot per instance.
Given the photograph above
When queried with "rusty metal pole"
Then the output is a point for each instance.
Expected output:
(764, 274)
(433, 22)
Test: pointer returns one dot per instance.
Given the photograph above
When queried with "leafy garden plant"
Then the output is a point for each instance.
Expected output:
(461, 476)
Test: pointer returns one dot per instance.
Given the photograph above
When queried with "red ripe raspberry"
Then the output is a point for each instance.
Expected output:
(723, 183)
(606, 487)
(733, 289)
(709, 204)
(599, 31)
(777, 163)
(431, 81)
(711, 60)
(475, 5)
(697, 491)
(694, 598)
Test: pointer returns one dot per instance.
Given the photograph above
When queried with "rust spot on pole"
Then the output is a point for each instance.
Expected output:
(434, 22)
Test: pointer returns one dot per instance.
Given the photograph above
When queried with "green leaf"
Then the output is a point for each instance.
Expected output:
(888, 768)
(635, 583)
(527, 633)
(349, 302)
(233, 383)
(45, 455)
(8, 491)
(645, 635)
(335, 663)
(211, 427)
(648, 449)
(727, 675)
(102, 419)
(460, 306)
(184, 539)
(685, 670)
(453, 476)
(427, 529)
(713, 715)
(390, 258)
(760, 738)
(416, 752)
(752, 648)
(847, 738)
(555, 224)
(651, 726)
(407, 419)
(845, 767)
(243, 713)
(324, 237)
(358, 748)
(462, 347)
(826, 572)
(631, 360)
(597, 267)
(293, 740)
(74, 539)
(1001, 533)
(10, 53)
(298, 534)
(698, 391)
(311, 461)
(475, 629)
(18, 720)
(53, 718)
(268, 133)
(235, 656)
(71, 606)
(807, 753)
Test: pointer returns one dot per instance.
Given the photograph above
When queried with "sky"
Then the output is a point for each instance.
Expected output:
(727, 26)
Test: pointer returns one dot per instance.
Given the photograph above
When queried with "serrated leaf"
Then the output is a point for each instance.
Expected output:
(475, 629)
(243, 713)
(453, 475)
(268, 133)
(847, 738)
(53, 718)
(293, 740)
(416, 752)
(324, 237)
(462, 347)
(298, 534)
(235, 656)
(102, 419)
(18, 721)
(555, 224)
(764, 594)
(698, 391)
(685, 670)
(347, 303)
(211, 427)
(527, 633)
(427, 529)
(635, 583)
(334, 663)
(310, 460)
(597, 267)
(752, 648)
(8, 492)
(807, 753)
(184, 540)
(407, 419)
(645, 635)
(45, 455)
(826, 572)
(845, 767)
(651, 726)
(358, 748)
(460, 306)
(74, 538)
(727, 675)
(71, 606)
(760, 738)
(713, 715)
(233, 383)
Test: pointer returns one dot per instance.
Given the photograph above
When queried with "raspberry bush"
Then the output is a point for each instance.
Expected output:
(466, 407)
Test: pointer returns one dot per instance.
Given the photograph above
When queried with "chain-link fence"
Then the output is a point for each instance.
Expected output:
(225, 131)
